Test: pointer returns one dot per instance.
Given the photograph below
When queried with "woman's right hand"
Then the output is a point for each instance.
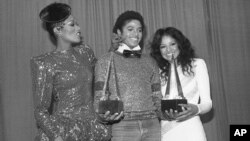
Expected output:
(111, 118)
(171, 114)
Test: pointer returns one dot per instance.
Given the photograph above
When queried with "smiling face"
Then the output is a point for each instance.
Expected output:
(70, 31)
(131, 33)
(169, 47)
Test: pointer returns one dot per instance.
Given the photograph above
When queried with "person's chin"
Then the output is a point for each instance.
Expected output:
(167, 58)
(74, 43)
(77, 41)
(133, 45)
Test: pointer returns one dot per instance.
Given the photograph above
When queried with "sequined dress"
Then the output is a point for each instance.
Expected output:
(62, 88)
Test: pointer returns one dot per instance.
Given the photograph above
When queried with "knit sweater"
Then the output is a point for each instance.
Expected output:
(137, 82)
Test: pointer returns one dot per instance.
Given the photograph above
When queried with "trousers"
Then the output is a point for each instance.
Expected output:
(137, 130)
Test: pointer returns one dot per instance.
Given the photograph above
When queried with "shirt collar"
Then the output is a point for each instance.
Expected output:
(123, 47)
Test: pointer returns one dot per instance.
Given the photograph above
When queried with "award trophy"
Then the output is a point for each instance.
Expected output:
(167, 104)
(106, 103)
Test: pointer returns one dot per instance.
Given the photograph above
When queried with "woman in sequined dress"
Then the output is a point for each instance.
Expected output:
(62, 83)
(169, 43)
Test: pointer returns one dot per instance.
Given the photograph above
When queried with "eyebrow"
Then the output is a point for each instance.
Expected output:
(134, 27)
(165, 44)
(70, 21)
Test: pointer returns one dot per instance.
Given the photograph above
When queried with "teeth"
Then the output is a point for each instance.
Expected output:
(78, 33)
(135, 39)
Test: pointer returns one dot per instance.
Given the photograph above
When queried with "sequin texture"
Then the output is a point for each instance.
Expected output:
(62, 88)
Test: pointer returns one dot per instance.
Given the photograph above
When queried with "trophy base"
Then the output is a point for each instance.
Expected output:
(172, 104)
(114, 106)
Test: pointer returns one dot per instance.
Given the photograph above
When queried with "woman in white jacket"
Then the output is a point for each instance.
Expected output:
(170, 44)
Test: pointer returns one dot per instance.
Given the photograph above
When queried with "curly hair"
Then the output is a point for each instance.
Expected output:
(126, 17)
(187, 53)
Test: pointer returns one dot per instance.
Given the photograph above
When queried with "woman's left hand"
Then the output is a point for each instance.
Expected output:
(189, 110)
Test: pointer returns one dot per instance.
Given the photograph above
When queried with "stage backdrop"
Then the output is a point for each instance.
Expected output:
(219, 30)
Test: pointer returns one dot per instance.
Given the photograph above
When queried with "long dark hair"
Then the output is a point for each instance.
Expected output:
(187, 53)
